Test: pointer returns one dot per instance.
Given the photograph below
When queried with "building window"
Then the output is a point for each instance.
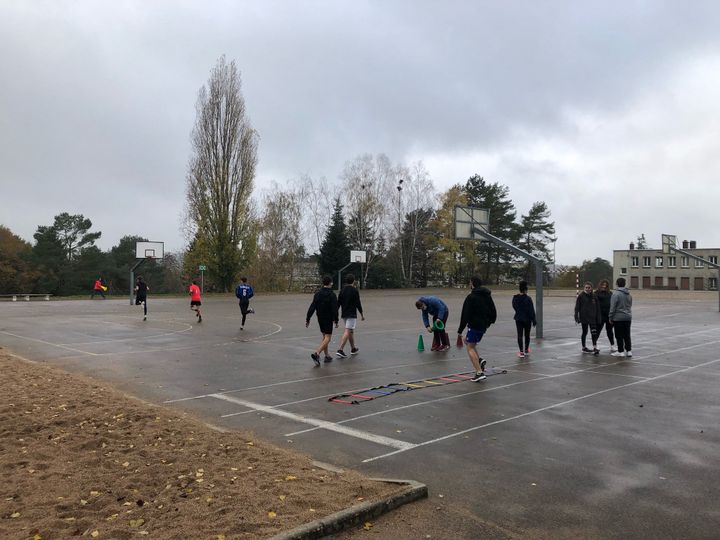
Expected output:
(712, 259)
(634, 262)
(623, 270)
(658, 262)
(699, 264)
(685, 261)
(672, 262)
(646, 262)
(712, 283)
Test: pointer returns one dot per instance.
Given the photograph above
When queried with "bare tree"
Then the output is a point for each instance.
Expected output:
(221, 171)
(367, 184)
(317, 199)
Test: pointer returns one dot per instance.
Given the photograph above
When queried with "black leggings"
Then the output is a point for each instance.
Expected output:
(244, 303)
(608, 330)
(523, 329)
(593, 333)
(622, 333)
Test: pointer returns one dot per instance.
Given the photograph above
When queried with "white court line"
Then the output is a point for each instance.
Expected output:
(48, 343)
(324, 424)
(133, 338)
(542, 409)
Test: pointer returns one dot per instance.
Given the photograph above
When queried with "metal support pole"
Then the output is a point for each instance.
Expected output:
(340, 275)
(539, 299)
(132, 279)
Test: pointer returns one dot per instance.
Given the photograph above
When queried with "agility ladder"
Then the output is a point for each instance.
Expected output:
(388, 389)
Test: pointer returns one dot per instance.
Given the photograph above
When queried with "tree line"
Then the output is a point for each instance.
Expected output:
(291, 233)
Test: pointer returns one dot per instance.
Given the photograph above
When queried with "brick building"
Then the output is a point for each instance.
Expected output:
(653, 269)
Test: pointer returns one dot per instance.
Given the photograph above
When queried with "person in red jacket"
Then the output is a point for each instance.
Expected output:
(98, 288)
(195, 301)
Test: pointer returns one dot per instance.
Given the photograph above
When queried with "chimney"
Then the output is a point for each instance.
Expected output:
(632, 245)
(693, 244)
(685, 244)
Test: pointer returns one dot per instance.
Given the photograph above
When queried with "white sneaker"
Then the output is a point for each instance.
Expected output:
(617, 354)
(613, 348)
(629, 353)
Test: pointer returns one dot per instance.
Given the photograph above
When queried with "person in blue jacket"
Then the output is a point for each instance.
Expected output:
(244, 292)
(432, 305)
(524, 317)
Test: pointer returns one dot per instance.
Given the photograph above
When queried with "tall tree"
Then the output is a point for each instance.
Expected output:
(72, 231)
(221, 171)
(536, 234)
(335, 249)
(495, 198)
(48, 256)
(16, 272)
(641, 242)
(595, 270)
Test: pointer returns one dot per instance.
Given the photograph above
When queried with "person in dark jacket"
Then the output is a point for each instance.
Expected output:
(478, 313)
(432, 305)
(603, 295)
(350, 305)
(620, 317)
(244, 292)
(524, 318)
(141, 290)
(587, 314)
(325, 305)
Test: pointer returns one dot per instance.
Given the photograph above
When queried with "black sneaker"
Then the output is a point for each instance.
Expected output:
(479, 377)
(586, 350)
(316, 358)
(596, 351)
(482, 364)
(145, 318)
(354, 350)
(341, 353)
(200, 319)
(328, 359)
(251, 310)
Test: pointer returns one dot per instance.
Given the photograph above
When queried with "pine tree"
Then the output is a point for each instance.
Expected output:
(335, 249)
(536, 233)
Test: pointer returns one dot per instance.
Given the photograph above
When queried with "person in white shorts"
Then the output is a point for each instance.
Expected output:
(350, 305)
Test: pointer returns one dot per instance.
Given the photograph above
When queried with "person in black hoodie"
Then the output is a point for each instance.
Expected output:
(524, 317)
(349, 303)
(587, 313)
(325, 305)
(604, 294)
(478, 313)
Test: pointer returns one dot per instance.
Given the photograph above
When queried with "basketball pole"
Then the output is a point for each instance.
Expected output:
(132, 278)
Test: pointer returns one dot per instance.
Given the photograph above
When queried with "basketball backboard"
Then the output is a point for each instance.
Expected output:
(149, 250)
(669, 243)
(467, 219)
(358, 256)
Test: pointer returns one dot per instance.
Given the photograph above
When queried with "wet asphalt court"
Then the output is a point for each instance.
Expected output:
(562, 443)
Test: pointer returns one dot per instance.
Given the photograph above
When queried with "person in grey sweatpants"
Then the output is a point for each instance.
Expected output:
(620, 317)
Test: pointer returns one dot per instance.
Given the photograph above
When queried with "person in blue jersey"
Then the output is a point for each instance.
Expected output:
(432, 305)
(244, 292)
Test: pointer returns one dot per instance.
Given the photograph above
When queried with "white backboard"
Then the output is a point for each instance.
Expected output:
(358, 256)
(149, 250)
(669, 242)
(467, 218)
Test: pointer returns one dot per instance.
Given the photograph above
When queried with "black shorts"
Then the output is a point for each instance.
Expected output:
(195, 303)
(140, 299)
(326, 327)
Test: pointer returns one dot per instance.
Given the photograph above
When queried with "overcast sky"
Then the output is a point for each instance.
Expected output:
(608, 111)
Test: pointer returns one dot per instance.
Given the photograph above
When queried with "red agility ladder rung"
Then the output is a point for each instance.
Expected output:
(449, 379)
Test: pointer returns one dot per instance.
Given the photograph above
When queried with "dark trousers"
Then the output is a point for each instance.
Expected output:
(141, 300)
(593, 333)
(441, 339)
(523, 330)
(97, 291)
(622, 334)
(244, 304)
(608, 330)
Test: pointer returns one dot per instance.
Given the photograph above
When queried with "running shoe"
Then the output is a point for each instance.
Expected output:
(251, 310)
(200, 319)
(328, 359)
(629, 353)
(341, 353)
(521, 354)
(616, 354)
(596, 351)
(586, 350)
(444, 348)
(145, 318)
(482, 365)
(528, 351)
(316, 358)
(354, 350)
(613, 348)
(479, 377)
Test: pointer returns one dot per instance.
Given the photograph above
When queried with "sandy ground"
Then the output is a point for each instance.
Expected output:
(79, 458)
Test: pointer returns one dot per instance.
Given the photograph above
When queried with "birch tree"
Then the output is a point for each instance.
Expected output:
(221, 171)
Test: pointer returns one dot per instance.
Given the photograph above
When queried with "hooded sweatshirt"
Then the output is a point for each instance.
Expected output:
(587, 309)
(621, 305)
(325, 303)
(478, 311)
(603, 296)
